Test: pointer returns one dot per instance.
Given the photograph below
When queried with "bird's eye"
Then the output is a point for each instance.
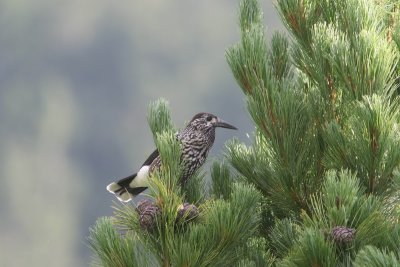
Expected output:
(209, 118)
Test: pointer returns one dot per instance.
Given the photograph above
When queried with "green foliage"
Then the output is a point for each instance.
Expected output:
(373, 257)
(326, 147)
(392, 207)
(285, 142)
(226, 225)
(341, 202)
(256, 254)
(248, 59)
(170, 154)
(320, 184)
(368, 143)
(221, 180)
(282, 237)
(312, 249)
(250, 14)
(159, 117)
(114, 250)
(215, 238)
(125, 217)
(195, 189)
(394, 238)
(279, 58)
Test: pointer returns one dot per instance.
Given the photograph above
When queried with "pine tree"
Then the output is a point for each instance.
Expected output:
(179, 226)
(326, 151)
(319, 186)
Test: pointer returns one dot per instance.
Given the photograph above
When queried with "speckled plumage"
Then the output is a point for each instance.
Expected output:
(196, 140)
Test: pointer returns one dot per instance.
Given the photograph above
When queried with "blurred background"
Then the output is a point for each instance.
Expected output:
(76, 78)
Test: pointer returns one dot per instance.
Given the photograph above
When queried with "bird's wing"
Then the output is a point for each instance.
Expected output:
(150, 159)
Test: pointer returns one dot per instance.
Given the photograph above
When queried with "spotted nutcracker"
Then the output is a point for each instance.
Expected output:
(196, 140)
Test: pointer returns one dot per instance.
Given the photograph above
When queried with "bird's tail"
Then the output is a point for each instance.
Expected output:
(123, 189)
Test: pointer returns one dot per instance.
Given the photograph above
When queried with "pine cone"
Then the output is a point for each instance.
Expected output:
(148, 212)
(342, 234)
(187, 212)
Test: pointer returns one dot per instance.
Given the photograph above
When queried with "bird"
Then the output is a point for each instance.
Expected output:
(196, 140)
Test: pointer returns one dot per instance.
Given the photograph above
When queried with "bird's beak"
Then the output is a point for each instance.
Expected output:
(223, 124)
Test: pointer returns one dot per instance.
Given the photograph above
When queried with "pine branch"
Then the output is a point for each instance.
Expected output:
(256, 254)
(248, 59)
(323, 169)
(373, 257)
(279, 58)
(195, 189)
(164, 185)
(159, 117)
(312, 249)
(369, 144)
(113, 250)
(226, 225)
(283, 237)
(221, 180)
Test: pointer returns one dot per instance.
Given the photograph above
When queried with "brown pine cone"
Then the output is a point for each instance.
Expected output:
(343, 235)
(148, 212)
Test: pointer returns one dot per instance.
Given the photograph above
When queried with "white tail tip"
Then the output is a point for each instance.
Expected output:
(123, 196)
(113, 187)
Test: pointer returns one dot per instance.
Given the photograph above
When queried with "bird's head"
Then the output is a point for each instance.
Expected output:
(209, 121)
